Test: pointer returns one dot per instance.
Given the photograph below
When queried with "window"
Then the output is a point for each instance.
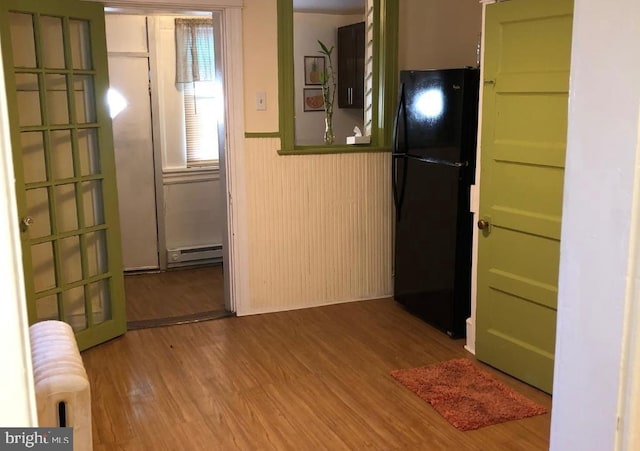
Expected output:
(381, 89)
(200, 129)
(195, 71)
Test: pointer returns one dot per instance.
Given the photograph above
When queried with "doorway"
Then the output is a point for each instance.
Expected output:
(171, 193)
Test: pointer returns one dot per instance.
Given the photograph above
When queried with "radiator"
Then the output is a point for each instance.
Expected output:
(62, 388)
(193, 253)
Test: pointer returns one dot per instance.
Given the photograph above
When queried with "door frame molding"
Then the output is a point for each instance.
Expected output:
(236, 279)
(629, 394)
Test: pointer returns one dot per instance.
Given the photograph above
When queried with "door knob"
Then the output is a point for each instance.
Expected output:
(27, 222)
(483, 224)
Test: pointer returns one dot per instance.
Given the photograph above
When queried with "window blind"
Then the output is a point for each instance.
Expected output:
(368, 70)
(195, 72)
(201, 130)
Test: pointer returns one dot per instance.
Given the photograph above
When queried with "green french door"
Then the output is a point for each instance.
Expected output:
(55, 59)
(524, 114)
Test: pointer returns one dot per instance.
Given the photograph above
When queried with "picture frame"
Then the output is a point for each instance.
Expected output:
(312, 99)
(314, 66)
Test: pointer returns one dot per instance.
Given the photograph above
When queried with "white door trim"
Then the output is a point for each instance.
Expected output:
(236, 261)
(628, 437)
(237, 284)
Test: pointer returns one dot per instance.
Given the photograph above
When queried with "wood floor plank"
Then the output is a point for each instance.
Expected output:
(303, 380)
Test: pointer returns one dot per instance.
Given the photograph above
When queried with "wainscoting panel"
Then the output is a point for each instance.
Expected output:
(319, 227)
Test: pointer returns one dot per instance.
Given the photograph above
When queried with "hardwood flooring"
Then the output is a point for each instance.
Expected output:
(314, 379)
(174, 296)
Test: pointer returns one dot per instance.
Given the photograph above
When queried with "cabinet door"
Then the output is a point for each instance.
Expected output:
(351, 66)
(357, 95)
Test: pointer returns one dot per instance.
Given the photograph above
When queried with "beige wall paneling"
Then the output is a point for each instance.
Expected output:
(319, 227)
(437, 34)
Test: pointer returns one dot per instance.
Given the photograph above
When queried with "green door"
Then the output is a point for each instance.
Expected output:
(55, 59)
(524, 124)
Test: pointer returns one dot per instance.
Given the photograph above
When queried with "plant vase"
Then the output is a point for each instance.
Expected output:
(329, 137)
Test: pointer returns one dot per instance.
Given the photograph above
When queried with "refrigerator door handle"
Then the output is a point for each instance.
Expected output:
(438, 161)
(398, 197)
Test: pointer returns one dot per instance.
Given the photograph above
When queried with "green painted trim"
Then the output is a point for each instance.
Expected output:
(388, 59)
(117, 324)
(253, 135)
(385, 78)
(286, 96)
(309, 150)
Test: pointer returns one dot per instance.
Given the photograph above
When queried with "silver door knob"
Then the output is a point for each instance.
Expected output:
(483, 224)
(27, 222)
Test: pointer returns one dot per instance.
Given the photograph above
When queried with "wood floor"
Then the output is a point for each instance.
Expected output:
(315, 379)
(177, 293)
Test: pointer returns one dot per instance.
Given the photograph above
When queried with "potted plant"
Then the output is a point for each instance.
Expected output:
(328, 82)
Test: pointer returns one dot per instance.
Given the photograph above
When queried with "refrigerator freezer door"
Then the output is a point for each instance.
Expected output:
(434, 109)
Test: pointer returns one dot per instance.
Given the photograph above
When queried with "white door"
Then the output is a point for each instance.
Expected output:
(133, 143)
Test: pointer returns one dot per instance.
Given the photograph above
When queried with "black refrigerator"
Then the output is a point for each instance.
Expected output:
(434, 152)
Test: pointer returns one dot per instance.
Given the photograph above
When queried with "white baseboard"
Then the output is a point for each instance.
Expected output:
(471, 337)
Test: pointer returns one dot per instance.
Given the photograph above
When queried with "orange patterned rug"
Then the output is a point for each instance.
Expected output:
(468, 397)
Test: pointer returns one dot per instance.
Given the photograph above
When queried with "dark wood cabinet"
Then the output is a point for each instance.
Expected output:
(351, 42)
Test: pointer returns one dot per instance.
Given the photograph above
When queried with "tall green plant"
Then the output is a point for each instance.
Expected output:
(328, 82)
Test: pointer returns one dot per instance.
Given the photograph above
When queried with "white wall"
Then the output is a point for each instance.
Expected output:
(597, 261)
(17, 398)
(307, 30)
(193, 201)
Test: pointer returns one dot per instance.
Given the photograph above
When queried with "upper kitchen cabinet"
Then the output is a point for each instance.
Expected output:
(351, 43)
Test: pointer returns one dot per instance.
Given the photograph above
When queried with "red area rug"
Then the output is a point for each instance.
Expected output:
(468, 397)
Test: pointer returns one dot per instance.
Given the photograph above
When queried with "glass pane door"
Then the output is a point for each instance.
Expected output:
(56, 76)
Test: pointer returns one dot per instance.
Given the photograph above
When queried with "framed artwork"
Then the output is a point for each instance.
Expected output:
(312, 98)
(314, 66)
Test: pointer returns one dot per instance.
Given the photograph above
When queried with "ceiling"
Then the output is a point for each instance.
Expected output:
(329, 6)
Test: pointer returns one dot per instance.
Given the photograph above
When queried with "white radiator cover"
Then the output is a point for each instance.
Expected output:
(60, 377)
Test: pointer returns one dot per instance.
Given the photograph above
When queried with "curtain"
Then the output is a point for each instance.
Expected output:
(194, 50)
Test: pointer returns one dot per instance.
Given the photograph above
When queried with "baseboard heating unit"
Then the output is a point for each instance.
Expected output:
(194, 254)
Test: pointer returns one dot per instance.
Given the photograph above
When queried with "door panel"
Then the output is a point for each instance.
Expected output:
(133, 144)
(526, 80)
(56, 79)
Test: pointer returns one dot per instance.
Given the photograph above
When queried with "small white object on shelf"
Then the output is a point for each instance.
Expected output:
(358, 138)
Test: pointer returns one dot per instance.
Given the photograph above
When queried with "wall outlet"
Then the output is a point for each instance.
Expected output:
(261, 101)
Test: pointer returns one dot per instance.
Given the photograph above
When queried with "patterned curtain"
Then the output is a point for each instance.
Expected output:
(194, 50)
